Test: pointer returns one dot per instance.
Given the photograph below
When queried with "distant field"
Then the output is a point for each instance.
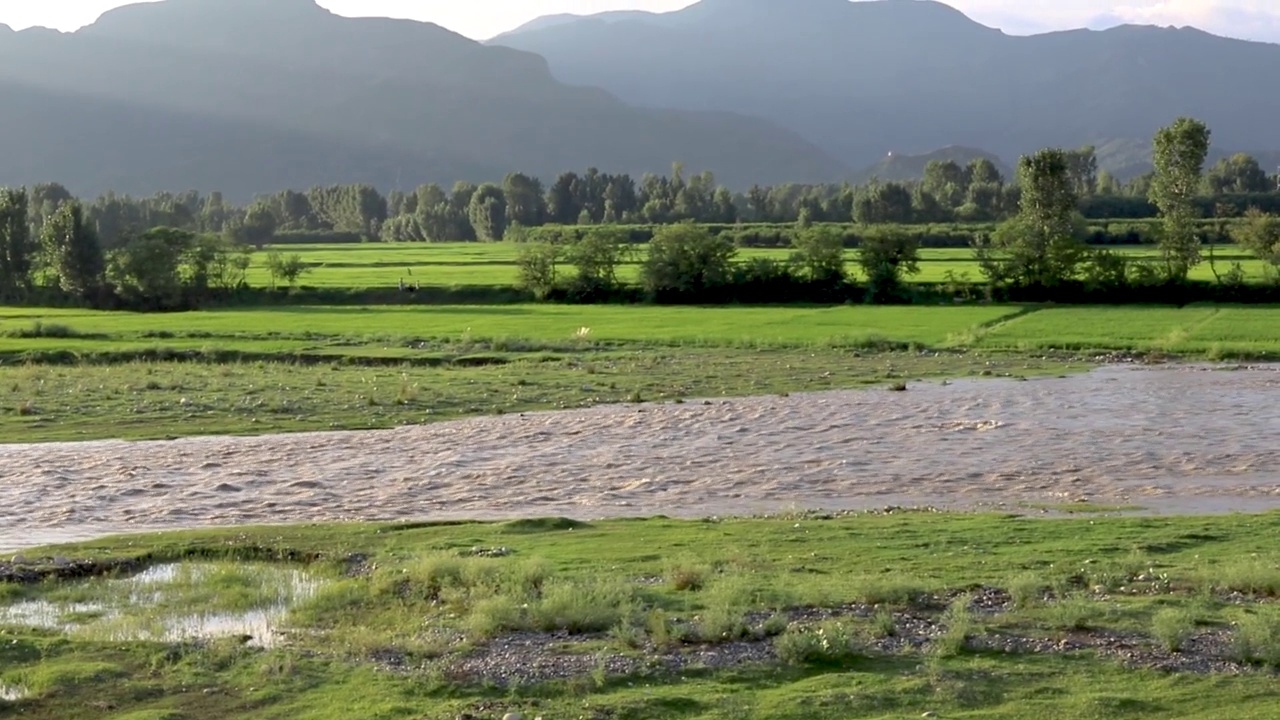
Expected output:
(376, 265)
(770, 326)
(75, 374)
(1215, 330)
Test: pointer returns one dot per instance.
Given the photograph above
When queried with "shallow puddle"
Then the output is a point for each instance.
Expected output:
(173, 603)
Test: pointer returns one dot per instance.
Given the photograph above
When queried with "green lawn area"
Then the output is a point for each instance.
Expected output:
(770, 326)
(798, 617)
(375, 265)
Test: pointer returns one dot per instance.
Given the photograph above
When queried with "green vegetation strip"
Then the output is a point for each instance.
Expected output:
(77, 374)
(871, 615)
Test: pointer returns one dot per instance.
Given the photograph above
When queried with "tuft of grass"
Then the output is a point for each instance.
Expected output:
(27, 408)
(1026, 590)
(1251, 576)
(1172, 627)
(588, 607)
(883, 624)
(1257, 638)
(1074, 612)
(493, 616)
(959, 625)
(688, 576)
(898, 387)
(828, 643)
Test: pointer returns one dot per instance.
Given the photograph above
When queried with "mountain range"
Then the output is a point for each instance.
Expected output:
(864, 79)
(251, 96)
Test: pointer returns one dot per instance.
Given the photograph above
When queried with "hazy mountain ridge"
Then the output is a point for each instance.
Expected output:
(325, 99)
(866, 78)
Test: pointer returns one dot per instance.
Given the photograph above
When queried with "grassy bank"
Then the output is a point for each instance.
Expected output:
(374, 265)
(874, 615)
(74, 374)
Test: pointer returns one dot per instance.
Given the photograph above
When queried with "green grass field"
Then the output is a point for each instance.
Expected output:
(75, 374)
(798, 617)
(378, 265)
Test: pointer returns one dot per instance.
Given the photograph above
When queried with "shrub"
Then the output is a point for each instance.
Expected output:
(1257, 638)
(686, 577)
(960, 626)
(1172, 627)
(582, 607)
(829, 643)
(495, 615)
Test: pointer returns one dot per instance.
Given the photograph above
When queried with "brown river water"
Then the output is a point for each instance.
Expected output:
(1170, 439)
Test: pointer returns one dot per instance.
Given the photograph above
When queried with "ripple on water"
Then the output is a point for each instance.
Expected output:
(249, 601)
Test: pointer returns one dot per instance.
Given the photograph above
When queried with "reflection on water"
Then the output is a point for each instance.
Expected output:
(173, 603)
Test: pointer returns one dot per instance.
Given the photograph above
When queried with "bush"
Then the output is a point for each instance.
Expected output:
(829, 643)
(1172, 627)
(1257, 638)
(686, 262)
(582, 607)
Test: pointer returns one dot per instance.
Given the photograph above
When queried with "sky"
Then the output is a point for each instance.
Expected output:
(482, 19)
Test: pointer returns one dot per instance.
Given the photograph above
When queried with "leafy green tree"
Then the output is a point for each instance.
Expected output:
(1082, 166)
(883, 203)
(1259, 233)
(146, 270)
(289, 268)
(885, 256)
(538, 266)
(229, 264)
(488, 213)
(256, 227)
(71, 250)
(1179, 155)
(819, 255)
(982, 170)
(686, 260)
(1042, 246)
(563, 202)
(1239, 173)
(526, 203)
(16, 247)
(597, 256)
(945, 180)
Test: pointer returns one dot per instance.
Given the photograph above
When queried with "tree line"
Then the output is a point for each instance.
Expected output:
(947, 192)
(180, 250)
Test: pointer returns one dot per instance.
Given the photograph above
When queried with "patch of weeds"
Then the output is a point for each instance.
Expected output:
(1027, 591)
(896, 591)
(828, 643)
(1252, 576)
(493, 616)
(688, 576)
(1074, 612)
(883, 624)
(1257, 638)
(1172, 627)
(582, 607)
(960, 626)
(660, 630)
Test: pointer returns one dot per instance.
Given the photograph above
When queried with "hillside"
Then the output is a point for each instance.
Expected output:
(240, 95)
(899, 167)
(862, 79)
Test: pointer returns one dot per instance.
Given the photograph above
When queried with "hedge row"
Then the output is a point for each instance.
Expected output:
(959, 235)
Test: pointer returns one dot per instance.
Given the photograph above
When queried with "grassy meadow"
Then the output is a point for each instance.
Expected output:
(77, 374)
(383, 265)
(806, 617)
